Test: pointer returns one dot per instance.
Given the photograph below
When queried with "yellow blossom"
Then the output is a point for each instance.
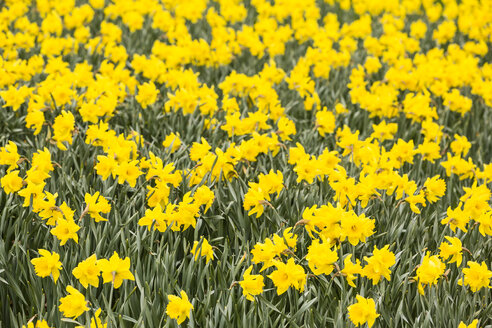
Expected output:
(251, 284)
(364, 311)
(147, 94)
(350, 269)
(429, 271)
(476, 276)
(202, 248)
(378, 264)
(74, 304)
(115, 270)
(65, 230)
(473, 324)
(288, 275)
(47, 264)
(321, 257)
(453, 250)
(62, 129)
(172, 140)
(11, 182)
(39, 324)
(87, 272)
(97, 204)
(179, 308)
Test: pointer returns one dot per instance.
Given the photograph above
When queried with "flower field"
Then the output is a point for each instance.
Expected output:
(251, 163)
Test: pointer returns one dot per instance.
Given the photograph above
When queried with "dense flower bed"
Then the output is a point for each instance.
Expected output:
(245, 163)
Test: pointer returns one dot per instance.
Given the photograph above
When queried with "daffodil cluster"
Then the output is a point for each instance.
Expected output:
(312, 143)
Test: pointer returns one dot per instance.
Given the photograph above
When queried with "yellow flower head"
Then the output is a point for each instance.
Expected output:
(255, 199)
(252, 284)
(364, 311)
(39, 324)
(97, 204)
(456, 218)
(129, 172)
(321, 257)
(434, 188)
(429, 271)
(473, 324)
(155, 217)
(65, 230)
(286, 128)
(204, 196)
(485, 221)
(179, 308)
(14, 97)
(147, 94)
(202, 248)
(356, 228)
(384, 131)
(350, 269)
(87, 272)
(11, 182)
(172, 140)
(199, 150)
(115, 270)
(288, 275)
(62, 129)
(325, 122)
(106, 166)
(9, 155)
(264, 252)
(378, 264)
(460, 145)
(476, 276)
(47, 264)
(453, 250)
(74, 304)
